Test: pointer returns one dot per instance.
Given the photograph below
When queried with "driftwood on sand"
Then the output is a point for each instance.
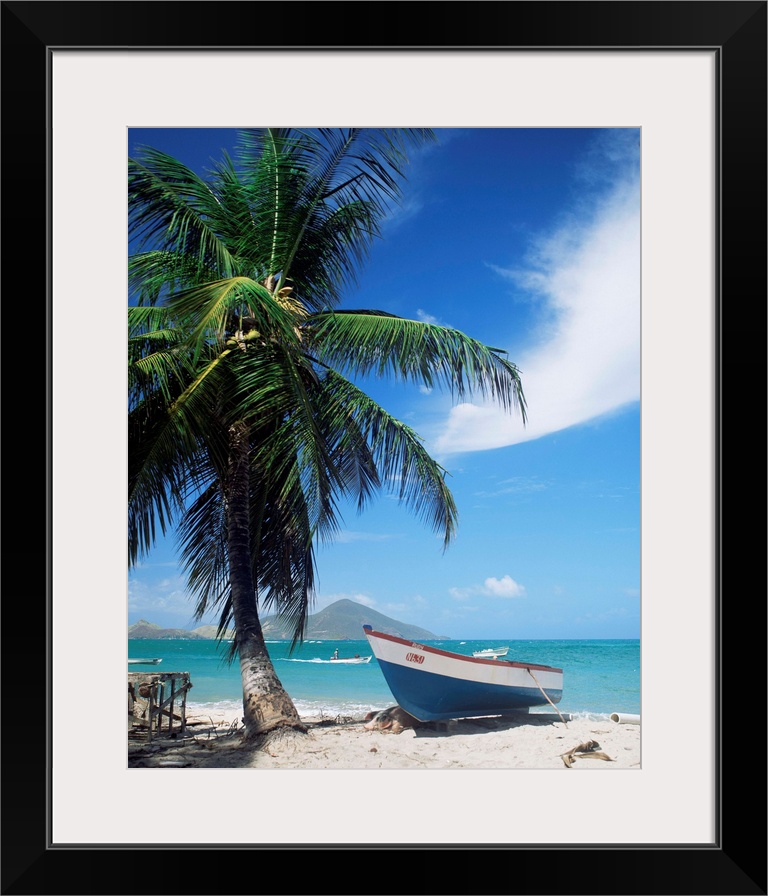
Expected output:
(588, 750)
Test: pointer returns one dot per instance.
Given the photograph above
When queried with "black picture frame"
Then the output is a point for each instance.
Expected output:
(735, 863)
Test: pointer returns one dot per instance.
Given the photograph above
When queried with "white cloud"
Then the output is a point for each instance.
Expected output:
(584, 360)
(505, 587)
(425, 317)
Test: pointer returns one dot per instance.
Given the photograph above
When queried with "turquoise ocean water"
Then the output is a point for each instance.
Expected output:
(599, 677)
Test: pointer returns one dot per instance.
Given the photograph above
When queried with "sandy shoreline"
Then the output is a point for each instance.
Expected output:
(535, 741)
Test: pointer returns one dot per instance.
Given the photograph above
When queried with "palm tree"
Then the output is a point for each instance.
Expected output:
(246, 429)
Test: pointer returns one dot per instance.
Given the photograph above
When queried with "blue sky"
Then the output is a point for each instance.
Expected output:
(529, 240)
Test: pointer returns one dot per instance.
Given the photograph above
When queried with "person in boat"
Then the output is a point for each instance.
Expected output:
(335, 654)
(357, 656)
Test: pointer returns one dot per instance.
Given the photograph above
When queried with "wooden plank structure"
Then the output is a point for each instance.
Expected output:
(155, 697)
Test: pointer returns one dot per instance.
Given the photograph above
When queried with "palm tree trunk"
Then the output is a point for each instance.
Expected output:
(266, 705)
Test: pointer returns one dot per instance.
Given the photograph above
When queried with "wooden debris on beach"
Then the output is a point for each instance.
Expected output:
(588, 750)
(154, 698)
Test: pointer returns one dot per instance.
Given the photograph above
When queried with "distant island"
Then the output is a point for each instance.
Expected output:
(341, 621)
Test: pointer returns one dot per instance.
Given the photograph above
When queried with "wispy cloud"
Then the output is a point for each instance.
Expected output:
(165, 596)
(584, 358)
(505, 587)
(426, 318)
(347, 536)
(399, 214)
(518, 485)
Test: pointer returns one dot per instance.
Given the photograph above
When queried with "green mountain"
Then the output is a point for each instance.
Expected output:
(342, 620)
(144, 629)
(209, 631)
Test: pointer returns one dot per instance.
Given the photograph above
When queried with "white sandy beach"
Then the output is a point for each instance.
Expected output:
(535, 741)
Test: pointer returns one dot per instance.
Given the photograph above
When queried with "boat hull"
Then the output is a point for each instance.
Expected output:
(433, 684)
(352, 660)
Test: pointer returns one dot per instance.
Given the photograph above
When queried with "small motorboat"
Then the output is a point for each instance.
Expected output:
(356, 659)
(433, 684)
(491, 652)
(144, 661)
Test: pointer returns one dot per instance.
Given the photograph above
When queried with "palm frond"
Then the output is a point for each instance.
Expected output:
(156, 357)
(325, 193)
(403, 465)
(156, 478)
(203, 549)
(373, 342)
(172, 208)
(155, 276)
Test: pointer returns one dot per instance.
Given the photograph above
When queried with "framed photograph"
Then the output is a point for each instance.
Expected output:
(691, 77)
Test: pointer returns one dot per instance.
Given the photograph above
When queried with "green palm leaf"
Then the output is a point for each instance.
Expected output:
(380, 344)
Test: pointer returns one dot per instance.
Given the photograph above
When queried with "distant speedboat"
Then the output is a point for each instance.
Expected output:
(491, 652)
(143, 661)
(356, 659)
(433, 684)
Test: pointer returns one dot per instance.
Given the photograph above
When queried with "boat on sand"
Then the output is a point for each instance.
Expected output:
(433, 684)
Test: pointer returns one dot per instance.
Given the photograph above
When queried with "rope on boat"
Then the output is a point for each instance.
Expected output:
(547, 697)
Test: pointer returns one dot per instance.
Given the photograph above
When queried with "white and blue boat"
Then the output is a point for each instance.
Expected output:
(351, 660)
(433, 684)
(491, 652)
